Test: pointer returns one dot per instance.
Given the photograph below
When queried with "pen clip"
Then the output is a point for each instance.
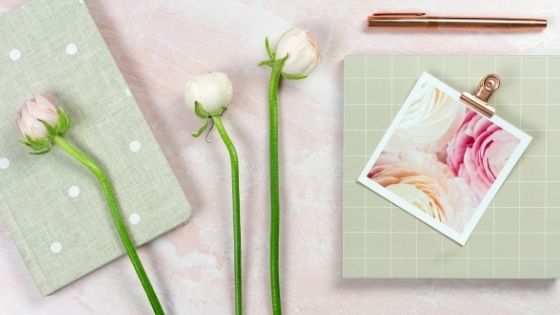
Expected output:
(397, 15)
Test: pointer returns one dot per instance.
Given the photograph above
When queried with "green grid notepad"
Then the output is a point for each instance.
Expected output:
(519, 234)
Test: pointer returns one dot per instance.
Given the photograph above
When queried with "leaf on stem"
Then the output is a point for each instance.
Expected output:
(51, 130)
(199, 111)
(269, 51)
(269, 63)
(294, 76)
(39, 146)
(63, 121)
(40, 152)
(200, 130)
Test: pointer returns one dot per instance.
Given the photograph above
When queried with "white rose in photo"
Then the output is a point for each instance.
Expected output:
(429, 123)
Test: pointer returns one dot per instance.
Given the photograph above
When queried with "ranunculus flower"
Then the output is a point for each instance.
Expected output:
(35, 111)
(293, 57)
(42, 122)
(301, 49)
(479, 151)
(421, 191)
(213, 91)
(209, 95)
(429, 123)
(425, 182)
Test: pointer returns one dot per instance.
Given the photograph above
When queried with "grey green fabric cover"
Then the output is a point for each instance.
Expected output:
(55, 47)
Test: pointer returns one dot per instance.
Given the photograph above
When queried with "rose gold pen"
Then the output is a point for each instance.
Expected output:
(423, 21)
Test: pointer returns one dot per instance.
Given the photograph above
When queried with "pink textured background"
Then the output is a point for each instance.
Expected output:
(160, 44)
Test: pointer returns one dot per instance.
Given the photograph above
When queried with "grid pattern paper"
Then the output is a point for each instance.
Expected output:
(519, 234)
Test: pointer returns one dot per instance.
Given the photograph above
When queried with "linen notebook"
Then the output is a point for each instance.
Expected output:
(54, 209)
(518, 235)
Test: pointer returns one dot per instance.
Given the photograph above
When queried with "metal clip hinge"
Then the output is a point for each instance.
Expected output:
(479, 101)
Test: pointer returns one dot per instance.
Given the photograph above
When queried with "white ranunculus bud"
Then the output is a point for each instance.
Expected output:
(301, 49)
(213, 91)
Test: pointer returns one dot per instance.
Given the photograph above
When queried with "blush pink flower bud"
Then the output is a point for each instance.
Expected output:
(33, 112)
(41, 118)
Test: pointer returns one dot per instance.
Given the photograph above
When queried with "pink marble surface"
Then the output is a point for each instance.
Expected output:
(160, 44)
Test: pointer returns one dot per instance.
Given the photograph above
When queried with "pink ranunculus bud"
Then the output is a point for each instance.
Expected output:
(41, 108)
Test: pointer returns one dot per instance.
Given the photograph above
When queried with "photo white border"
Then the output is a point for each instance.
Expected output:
(460, 238)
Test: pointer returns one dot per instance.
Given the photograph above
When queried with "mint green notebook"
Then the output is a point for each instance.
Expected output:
(518, 235)
(54, 209)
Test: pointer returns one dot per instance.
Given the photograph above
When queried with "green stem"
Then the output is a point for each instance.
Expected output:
(274, 187)
(236, 213)
(117, 218)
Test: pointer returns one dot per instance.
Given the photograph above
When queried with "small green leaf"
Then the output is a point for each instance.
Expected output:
(39, 146)
(269, 51)
(37, 143)
(41, 152)
(294, 76)
(51, 130)
(199, 111)
(266, 63)
(200, 130)
(63, 121)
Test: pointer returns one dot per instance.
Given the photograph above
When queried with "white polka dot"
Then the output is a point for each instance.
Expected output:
(15, 54)
(134, 218)
(74, 191)
(127, 92)
(4, 163)
(135, 146)
(71, 49)
(56, 247)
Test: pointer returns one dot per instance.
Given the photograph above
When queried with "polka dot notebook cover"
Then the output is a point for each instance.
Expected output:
(518, 236)
(54, 210)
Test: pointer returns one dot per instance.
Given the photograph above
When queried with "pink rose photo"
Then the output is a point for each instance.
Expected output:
(442, 161)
